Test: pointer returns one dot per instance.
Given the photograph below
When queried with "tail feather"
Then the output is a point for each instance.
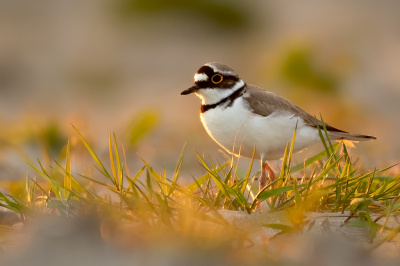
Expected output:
(338, 134)
(349, 136)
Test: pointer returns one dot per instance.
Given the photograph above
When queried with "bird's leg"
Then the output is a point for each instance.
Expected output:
(271, 173)
(263, 178)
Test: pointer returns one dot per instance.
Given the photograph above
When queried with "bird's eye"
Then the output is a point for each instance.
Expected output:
(217, 78)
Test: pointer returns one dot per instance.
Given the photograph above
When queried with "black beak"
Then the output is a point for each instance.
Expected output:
(190, 90)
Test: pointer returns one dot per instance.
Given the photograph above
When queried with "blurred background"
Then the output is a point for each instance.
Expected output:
(120, 65)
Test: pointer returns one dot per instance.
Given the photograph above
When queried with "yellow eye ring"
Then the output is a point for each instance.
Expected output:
(217, 78)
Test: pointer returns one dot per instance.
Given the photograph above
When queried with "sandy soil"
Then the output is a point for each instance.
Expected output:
(322, 224)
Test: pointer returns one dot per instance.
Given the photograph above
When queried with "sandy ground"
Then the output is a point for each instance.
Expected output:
(321, 224)
(323, 241)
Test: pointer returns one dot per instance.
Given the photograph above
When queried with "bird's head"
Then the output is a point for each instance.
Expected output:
(213, 82)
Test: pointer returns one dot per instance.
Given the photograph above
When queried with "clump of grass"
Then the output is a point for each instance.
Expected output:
(154, 200)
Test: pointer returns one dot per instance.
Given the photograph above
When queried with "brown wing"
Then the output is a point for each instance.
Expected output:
(265, 103)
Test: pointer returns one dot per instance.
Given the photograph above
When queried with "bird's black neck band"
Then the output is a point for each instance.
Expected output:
(230, 99)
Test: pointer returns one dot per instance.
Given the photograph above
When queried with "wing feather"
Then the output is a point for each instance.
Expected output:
(265, 103)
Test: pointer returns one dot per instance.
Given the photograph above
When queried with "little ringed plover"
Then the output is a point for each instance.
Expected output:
(239, 116)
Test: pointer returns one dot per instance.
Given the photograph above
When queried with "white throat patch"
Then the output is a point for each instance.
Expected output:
(200, 77)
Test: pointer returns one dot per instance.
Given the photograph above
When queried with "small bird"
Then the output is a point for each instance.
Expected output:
(239, 116)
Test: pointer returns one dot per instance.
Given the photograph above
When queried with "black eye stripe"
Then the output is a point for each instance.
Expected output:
(227, 82)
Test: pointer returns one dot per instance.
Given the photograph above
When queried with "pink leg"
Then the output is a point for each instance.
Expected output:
(263, 177)
(271, 173)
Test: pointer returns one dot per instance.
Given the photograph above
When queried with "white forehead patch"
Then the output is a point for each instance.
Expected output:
(200, 77)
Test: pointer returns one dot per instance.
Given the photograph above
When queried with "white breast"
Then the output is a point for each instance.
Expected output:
(238, 130)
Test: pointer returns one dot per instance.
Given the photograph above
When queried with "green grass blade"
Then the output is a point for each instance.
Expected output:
(311, 160)
(152, 171)
(243, 188)
(114, 172)
(119, 165)
(67, 179)
(94, 156)
(77, 184)
(54, 185)
(297, 197)
(284, 166)
(273, 192)
(198, 182)
(321, 136)
(177, 170)
(97, 182)
(220, 184)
